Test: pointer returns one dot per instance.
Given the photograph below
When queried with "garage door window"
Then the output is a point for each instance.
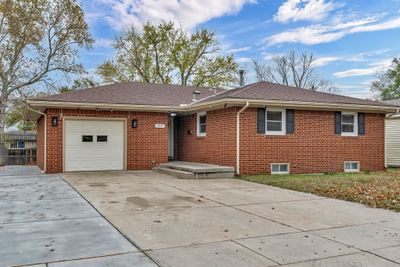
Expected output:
(102, 138)
(87, 138)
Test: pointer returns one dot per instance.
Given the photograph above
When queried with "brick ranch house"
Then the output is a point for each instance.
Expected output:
(259, 128)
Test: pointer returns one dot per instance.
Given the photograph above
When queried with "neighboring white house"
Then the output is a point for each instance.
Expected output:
(392, 136)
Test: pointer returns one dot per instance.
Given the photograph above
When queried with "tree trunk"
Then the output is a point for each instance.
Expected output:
(3, 102)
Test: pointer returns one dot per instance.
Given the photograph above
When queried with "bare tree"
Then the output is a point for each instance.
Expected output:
(292, 70)
(38, 38)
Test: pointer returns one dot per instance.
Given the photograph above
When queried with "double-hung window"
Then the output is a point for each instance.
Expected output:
(275, 122)
(349, 123)
(201, 123)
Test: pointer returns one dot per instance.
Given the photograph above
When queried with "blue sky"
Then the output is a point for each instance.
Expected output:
(351, 39)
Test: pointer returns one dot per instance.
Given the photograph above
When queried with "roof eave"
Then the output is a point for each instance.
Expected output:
(214, 104)
(294, 104)
(100, 106)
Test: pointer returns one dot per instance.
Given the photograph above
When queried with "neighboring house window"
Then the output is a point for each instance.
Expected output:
(201, 123)
(351, 166)
(13, 144)
(275, 122)
(21, 144)
(280, 168)
(349, 123)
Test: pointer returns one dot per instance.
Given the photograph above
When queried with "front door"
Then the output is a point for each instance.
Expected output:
(171, 138)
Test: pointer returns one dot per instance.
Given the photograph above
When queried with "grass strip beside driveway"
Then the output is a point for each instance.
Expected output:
(375, 189)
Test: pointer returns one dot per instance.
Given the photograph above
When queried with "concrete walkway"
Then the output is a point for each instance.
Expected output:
(230, 222)
(44, 221)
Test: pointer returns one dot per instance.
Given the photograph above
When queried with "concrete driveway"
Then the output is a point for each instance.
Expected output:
(44, 221)
(230, 222)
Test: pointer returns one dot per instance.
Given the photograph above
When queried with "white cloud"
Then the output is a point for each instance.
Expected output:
(374, 67)
(243, 60)
(295, 10)
(269, 56)
(188, 14)
(322, 61)
(103, 42)
(237, 50)
(317, 34)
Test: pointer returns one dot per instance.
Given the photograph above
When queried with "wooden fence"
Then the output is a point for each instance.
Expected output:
(17, 149)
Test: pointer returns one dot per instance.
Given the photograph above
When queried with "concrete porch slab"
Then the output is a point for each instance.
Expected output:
(227, 254)
(197, 167)
(365, 237)
(295, 247)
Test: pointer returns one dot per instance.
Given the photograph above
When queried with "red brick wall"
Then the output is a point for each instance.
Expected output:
(218, 147)
(40, 143)
(145, 143)
(313, 148)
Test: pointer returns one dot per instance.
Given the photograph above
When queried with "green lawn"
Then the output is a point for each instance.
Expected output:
(375, 189)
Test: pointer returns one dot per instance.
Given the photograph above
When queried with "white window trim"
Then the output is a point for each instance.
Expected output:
(288, 168)
(351, 170)
(283, 132)
(198, 123)
(355, 128)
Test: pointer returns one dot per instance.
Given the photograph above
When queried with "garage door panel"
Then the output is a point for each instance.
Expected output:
(89, 156)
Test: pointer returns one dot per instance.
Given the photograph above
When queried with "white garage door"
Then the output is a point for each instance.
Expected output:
(93, 145)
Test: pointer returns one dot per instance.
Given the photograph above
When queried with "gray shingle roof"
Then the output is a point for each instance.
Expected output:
(395, 102)
(136, 93)
(272, 91)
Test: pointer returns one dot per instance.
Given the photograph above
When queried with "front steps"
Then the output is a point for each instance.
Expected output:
(191, 170)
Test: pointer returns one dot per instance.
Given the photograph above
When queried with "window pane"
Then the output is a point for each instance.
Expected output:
(284, 168)
(21, 144)
(347, 118)
(102, 138)
(347, 165)
(275, 168)
(274, 115)
(347, 128)
(274, 126)
(87, 138)
(202, 119)
(354, 166)
(13, 144)
(202, 128)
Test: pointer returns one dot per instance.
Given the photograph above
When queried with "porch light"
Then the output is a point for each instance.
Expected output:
(54, 121)
(173, 114)
(134, 123)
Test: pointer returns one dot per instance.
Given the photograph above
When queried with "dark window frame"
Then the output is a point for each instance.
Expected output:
(87, 138)
(102, 138)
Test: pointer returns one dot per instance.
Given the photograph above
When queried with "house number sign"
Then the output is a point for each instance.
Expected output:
(160, 126)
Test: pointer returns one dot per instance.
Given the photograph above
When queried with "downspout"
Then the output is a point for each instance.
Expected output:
(44, 137)
(238, 137)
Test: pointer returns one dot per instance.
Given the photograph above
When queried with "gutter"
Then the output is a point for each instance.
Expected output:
(45, 136)
(238, 137)
(194, 107)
